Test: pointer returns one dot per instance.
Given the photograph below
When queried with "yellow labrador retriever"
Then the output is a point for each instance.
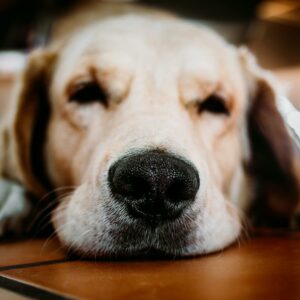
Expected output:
(167, 134)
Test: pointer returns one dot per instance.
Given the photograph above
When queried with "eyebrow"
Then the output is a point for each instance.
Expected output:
(96, 74)
(193, 89)
(219, 91)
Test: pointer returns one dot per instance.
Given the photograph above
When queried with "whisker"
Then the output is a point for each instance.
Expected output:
(71, 247)
(55, 234)
(48, 221)
(61, 197)
(67, 187)
(48, 240)
(40, 217)
(244, 235)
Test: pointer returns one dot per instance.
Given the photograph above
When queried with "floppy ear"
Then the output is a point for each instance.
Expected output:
(24, 124)
(274, 163)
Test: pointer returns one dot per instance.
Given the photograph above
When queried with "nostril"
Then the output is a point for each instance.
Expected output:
(127, 184)
(182, 190)
(178, 192)
(138, 188)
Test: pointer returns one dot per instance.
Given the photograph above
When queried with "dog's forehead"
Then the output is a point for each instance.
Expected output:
(175, 47)
(141, 31)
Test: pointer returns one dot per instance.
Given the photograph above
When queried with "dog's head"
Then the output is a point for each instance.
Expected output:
(164, 131)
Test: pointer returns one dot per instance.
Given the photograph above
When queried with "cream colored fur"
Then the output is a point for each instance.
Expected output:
(155, 68)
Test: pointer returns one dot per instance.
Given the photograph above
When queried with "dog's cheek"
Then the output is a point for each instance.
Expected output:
(63, 147)
(227, 153)
(79, 220)
(69, 220)
(219, 224)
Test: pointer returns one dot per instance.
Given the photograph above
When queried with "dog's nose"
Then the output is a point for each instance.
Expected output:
(154, 185)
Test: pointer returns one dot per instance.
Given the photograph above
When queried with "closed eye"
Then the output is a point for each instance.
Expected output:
(213, 104)
(88, 92)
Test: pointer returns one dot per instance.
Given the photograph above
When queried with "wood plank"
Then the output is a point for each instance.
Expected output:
(29, 251)
(265, 267)
(29, 291)
(8, 295)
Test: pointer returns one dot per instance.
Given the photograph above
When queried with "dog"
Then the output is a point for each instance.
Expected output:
(167, 136)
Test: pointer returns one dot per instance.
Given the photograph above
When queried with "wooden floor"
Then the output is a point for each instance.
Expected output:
(266, 266)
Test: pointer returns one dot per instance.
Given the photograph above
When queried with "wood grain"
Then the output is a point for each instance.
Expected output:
(262, 268)
(29, 251)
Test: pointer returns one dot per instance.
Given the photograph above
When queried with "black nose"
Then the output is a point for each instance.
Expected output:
(154, 185)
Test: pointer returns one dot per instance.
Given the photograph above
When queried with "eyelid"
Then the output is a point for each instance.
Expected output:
(198, 101)
(214, 104)
(78, 83)
(88, 92)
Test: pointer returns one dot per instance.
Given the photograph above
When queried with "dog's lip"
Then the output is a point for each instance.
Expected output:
(151, 219)
(152, 252)
(143, 253)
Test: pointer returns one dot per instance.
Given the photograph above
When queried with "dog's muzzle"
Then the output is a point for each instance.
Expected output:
(154, 186)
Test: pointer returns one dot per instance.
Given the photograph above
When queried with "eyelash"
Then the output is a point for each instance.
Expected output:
(213, 104)
(88, 92)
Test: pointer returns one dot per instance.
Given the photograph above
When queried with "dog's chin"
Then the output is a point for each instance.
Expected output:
(143, 252)
(139, 241)
(136, 239)
(115, 248)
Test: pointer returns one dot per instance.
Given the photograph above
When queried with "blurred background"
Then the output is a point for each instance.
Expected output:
(270, 28)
